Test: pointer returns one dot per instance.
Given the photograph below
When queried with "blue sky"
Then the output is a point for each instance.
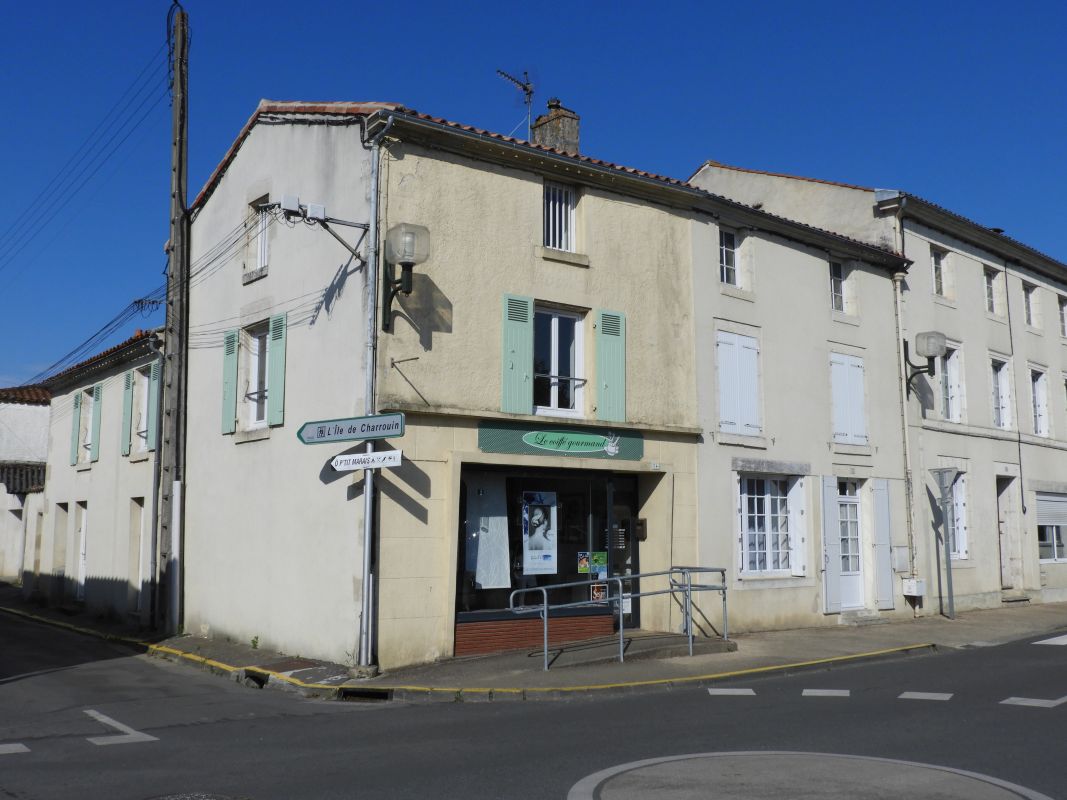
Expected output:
(962, 103)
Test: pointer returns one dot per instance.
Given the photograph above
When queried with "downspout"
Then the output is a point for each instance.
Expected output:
(898, 307)
(157, 468)
(365, 612)
(1014, 388)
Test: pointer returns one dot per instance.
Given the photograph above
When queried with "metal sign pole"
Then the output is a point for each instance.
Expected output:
(946, 477)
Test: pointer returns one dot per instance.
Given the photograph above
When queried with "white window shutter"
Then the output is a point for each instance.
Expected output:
(831, 543)
(857, 407)
(748, 369)
(883, 561)
(798, 539)
(952, 370)
(729, 382)
(840, 396)
(959, 515)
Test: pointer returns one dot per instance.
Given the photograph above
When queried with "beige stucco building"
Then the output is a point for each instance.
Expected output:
(994, 410)
(551, 363)
(94, 542)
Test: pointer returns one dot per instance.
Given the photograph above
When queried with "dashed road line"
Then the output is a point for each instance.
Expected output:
(1060, 640)
(128, 735)
(1033, 702)
(826, 693)
(730, 692)
(6, 749)
(943, 696)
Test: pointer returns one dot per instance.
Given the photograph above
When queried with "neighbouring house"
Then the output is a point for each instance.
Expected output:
(23, 449)
(576, 388)
(993, 413)
(94, 546)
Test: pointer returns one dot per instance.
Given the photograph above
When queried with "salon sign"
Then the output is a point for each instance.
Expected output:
(503, 437)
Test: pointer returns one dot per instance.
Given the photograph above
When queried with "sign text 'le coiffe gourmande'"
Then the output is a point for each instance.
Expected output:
(380, 426)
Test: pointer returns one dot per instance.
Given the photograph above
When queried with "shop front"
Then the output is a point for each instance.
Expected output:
(523, 526)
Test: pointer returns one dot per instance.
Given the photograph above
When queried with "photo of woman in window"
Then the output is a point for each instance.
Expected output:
(539, 533)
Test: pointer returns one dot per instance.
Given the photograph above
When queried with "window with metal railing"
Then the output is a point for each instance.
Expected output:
(559, 205)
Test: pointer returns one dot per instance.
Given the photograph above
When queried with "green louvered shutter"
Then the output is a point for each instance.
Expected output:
(152, 432)
(75, 427)
(229, 382)
(94, 448)
(276, 370)
(127, 411)
(517, 355)
(611, 366)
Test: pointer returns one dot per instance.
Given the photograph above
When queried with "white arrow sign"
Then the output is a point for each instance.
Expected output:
(387, 458)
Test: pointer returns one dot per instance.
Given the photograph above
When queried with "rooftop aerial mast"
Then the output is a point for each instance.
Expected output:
(527, 88)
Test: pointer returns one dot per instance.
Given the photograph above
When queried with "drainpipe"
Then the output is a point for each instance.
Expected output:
(365, 613)
(153, 559)
(898, 302)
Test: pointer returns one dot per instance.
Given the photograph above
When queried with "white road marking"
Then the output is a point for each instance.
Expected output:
(925, 696)
(5, 749)
(1061, 640)
(825, 693)
(1033, 702)
(730, 692)
(128, 735)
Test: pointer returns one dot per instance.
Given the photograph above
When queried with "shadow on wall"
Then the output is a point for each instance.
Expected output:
(110, 600)
(427, 310)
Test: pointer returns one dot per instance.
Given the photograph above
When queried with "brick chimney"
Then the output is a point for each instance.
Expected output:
(558, 128)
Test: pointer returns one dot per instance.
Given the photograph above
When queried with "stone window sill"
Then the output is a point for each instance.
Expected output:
(737, 293)
(847, 319)
(562, 256)
(254, 435)
(739, 440)
(253, 275)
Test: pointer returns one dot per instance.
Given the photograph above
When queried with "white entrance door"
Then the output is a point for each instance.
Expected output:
(1006, 529)
(83, 515)
(848, 516)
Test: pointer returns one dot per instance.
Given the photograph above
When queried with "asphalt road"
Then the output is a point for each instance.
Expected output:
(160, 729)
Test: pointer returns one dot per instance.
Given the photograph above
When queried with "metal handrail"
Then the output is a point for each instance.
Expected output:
(680, 579)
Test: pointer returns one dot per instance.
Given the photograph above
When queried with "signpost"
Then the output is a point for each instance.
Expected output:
(385, 458)
(379, 426)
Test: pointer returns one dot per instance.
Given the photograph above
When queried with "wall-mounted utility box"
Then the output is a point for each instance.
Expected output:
(914, 587)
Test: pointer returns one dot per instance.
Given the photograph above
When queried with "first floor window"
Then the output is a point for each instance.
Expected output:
(956, 527)
(990, 291)
(141, 378)
(951, 385)
(1001, 381)
(1039, 396)
(738, 373)
(766, 524)
(557, 360)
(728, 257)
(1030, 304)
(937, 263)
(837, 286)
(257, 370)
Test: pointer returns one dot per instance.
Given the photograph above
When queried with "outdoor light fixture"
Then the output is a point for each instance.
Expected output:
(929, 345)
(406, 245)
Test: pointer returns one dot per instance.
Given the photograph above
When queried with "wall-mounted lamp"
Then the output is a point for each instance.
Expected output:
(929, 345)
(406, 245)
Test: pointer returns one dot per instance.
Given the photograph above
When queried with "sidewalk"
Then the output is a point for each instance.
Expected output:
(653, 660)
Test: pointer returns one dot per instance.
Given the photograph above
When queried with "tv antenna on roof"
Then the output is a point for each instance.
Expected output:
(527, 88)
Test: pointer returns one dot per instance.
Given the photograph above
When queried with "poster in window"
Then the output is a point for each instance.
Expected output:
(539, 533)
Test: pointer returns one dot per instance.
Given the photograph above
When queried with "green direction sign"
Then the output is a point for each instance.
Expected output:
(505, 437)
(379, 426)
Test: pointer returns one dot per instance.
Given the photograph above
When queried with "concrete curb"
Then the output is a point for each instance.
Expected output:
(260, 677)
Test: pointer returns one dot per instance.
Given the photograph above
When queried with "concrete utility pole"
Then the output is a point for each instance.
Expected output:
(176, 336)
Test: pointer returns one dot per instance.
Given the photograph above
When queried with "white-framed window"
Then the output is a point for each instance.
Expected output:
(728, 262)
(848, 395)
(990, 276)
(950, 376)
(257, 339)
(139, 430)
(558, 362)
(1039, 401)
(956, 527)
(1051, 525)
(938, 258)
(1030, 310)
(737, 359)
(85, 426)
(771, 508)
(837, 286)
(1000, 379)
(848, 516)
(257, 241)
(559, 212)
(1063, 316)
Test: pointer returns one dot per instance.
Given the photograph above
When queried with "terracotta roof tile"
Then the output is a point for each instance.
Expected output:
(138, 335)
(26, 395)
